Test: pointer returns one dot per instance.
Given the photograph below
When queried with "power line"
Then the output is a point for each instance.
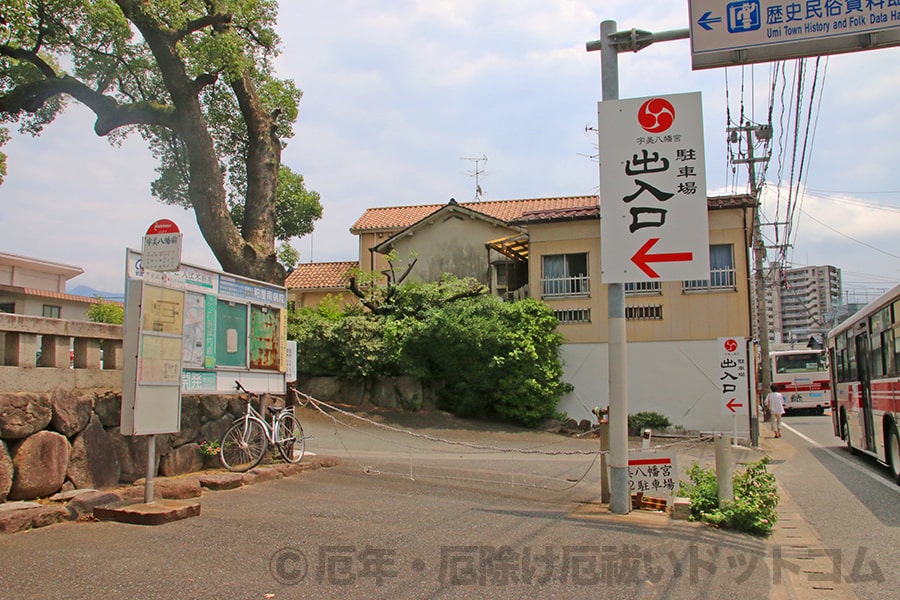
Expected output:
(853, 202)
(848, 236)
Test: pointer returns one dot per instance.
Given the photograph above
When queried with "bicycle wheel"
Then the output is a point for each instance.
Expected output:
(243, 445)
(290, 442)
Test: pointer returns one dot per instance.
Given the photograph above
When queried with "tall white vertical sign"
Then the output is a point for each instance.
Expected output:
(732, 376)
(653, 207)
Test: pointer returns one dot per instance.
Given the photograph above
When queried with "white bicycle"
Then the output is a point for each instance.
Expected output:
(246, 441)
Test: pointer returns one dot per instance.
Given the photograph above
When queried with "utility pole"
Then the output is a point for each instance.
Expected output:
(610, 44)
(759, 254)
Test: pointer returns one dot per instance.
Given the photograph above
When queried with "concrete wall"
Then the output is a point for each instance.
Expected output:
(676, 379)
(74, 355)
(455, 244)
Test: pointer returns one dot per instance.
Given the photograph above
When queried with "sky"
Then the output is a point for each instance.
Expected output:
(400, 97)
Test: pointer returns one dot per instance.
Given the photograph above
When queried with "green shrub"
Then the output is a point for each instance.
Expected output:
(753, 509)
(647, 420)
(702, 488)
(486, 358)
(106, 312)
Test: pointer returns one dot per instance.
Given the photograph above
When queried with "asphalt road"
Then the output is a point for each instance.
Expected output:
(403, 517)
(850, 501)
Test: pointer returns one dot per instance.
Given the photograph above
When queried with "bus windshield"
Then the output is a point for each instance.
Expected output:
(805, 362)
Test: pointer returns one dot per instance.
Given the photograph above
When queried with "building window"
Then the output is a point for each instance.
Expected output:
(643, 288)
(51, 311)
(565, 275)
(575, 315)
(644, 313)
(721, 271)
(7, 307)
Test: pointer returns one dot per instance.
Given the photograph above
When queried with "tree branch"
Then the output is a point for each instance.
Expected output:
(214, 21)
(30, 97)
(28, 56)
(354, 287)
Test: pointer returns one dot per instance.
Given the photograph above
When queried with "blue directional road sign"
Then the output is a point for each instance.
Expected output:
(752, 31)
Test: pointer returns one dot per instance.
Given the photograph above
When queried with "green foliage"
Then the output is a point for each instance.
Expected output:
(296, 208)
(487, 358)
(196, 80)
(348, 346)
(703, 490)
(647, 420)
(106, 312)
(288, 255)
(754, 508)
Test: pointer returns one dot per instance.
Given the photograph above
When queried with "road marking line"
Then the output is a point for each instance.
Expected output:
(888, 484)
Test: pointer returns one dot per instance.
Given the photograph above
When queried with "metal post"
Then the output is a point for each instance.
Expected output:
(724, 469)
(604, 449)
(609, 44)
(619, 497)
(151, 469)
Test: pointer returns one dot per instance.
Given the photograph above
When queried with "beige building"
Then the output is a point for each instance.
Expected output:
(308, 284)
(35, 287)
(549, 249)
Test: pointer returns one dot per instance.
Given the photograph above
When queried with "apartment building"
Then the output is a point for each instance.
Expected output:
(803, 302)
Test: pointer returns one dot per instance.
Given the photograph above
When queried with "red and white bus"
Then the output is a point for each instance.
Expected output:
(864, 352)
(802, 378)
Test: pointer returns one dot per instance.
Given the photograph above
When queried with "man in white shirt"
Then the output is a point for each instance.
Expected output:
(775, 404)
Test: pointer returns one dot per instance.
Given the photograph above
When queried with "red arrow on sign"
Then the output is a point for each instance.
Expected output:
(731, 405)
(642, 257)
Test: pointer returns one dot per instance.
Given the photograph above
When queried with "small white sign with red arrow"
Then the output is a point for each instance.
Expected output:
(653, 205)
(733, 376)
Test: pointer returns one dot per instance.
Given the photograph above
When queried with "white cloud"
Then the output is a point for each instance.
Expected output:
(397, 94)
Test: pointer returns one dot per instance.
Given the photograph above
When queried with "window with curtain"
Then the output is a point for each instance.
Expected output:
(565, 274)
(721, 270)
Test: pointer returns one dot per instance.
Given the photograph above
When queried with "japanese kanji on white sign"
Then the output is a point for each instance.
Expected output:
(652, 473)
(733, 376)
(653, 204)
(162, 246)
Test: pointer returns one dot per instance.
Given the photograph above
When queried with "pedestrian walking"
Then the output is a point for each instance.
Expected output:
(775, 404)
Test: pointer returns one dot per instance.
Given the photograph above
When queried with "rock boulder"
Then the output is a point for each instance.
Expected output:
(181, 460)
(93, 462)
(71, 412)
(23, 414)
(6, 471)
(40, 464)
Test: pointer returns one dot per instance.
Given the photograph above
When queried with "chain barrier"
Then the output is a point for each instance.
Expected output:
(329, 411)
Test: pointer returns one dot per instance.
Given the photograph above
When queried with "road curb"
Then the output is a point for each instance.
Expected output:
(79, 504)
(801, 566)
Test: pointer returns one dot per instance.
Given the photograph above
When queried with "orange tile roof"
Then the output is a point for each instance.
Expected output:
(398, 217)
(69, 297)
(327, 275)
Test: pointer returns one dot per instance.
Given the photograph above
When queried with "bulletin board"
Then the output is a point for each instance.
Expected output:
(230, 328)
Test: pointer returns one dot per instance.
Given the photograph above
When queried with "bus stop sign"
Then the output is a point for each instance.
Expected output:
(162, 246)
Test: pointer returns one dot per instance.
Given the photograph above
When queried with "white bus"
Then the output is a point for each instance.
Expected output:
(802, 378)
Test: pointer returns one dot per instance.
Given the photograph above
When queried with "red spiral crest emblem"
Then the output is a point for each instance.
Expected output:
(656, 115)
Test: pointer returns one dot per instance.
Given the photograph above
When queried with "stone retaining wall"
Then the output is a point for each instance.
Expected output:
(69, 439)
(64, 440)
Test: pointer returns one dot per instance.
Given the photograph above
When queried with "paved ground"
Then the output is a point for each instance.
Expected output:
(426, 501)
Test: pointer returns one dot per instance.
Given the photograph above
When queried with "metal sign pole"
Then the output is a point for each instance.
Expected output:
(619, 497)
(610, 44)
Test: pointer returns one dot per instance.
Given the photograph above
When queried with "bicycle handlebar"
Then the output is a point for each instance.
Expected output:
(238, 386)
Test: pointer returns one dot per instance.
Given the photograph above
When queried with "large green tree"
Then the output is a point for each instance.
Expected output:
(195, 78)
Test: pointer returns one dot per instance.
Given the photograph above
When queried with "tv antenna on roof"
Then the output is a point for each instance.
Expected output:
(476, 173)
